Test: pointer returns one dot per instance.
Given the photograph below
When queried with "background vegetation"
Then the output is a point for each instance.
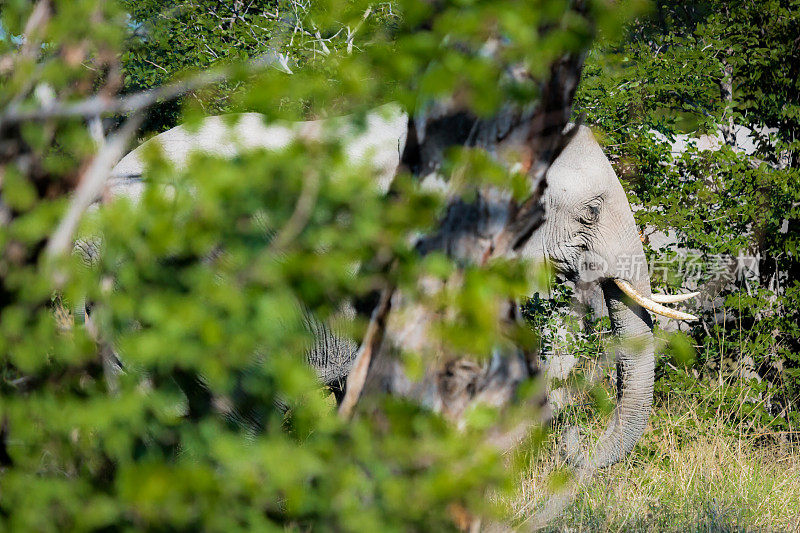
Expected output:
(189, 441)
(217, 423)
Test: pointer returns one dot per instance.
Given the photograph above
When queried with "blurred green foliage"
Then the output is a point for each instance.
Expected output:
(194, 436)
(571, 336)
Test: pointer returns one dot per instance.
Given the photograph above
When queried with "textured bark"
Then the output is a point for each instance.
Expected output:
(726, 95)
(371, 343)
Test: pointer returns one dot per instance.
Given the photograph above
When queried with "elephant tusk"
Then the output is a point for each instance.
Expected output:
(650, 305)
(672, 298)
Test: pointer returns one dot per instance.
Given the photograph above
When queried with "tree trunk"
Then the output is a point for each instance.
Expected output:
(726, 95)
(477, 228)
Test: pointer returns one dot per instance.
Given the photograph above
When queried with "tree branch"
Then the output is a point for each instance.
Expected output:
(103, 105)
(299, 218)
(91, 184)
(371, 344)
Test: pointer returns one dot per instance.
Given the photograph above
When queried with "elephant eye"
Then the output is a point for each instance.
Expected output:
(591, 212)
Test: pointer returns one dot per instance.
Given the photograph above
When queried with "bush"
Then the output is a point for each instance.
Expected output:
(190, 287)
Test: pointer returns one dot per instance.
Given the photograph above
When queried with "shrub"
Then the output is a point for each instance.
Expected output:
(190, 287)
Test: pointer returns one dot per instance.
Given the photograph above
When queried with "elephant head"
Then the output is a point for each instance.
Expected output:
(590, 235)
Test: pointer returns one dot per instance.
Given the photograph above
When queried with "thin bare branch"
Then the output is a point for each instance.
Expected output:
(104, 105)
(302, 212)
(159, 66)
(95, 126)
(39, 17)
(352, 33)
(91, 185)
(371, 344)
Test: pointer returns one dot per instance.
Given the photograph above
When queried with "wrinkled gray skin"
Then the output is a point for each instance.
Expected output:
(589, 233)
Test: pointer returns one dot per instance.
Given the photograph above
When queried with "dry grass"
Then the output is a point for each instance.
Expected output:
(685, 475)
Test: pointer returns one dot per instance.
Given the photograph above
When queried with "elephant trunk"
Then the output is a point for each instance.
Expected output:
(633, 329)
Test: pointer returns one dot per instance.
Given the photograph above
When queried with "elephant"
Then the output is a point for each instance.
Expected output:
(589, 234)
